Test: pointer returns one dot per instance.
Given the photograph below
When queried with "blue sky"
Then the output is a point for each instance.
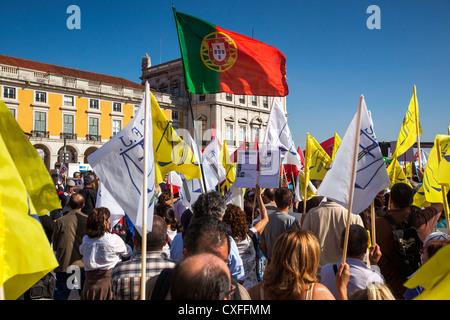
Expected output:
(332, 57)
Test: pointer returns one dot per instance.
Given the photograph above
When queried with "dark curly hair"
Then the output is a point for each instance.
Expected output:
(236, 218)
(95, 224)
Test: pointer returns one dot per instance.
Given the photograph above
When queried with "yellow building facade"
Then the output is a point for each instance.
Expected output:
(69, 113)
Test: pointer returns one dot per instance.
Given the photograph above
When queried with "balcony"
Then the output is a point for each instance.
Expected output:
(93, 137)
(39, 134)
(68, 136)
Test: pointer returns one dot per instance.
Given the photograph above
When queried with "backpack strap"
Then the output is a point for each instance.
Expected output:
(162, 285)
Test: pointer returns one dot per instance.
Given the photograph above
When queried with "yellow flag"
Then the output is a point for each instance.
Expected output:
(433, 190)
(32, 170)
(230, 169)
(316, 158)
(309, 192)
(337, 143)
(408, 170)
(170, 151)
(419, 198)
(444, 164)
(433, 276)
(396, 173)
(25, 252)
(410, 128)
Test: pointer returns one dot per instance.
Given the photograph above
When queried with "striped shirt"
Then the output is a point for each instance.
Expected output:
(126, 276)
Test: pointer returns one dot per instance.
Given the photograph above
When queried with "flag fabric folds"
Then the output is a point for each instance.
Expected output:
(396, 173)
(218, 60)
(317, 161)
(230, 169)
(371, 175)
(336, 144)
(120, 168)
(31, 169)
(278, 135)
(213, 169)
(171, 152)
(433, 277)
(432, 189)
(444, 164)
(26, 192)
(410, 127)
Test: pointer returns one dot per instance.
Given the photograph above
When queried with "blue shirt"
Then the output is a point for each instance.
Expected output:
(360, 276)
(235, 263)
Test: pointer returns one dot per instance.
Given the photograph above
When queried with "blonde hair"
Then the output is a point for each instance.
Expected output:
(374, 291)
(295, 259)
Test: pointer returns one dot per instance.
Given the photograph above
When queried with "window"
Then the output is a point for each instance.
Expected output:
(93, 104)
(256, 132)
(69, 101)
(116, 127)
(40, 121)
(93, 126)
(117, 107)
(202, 97)
(241, 99)
(265, 102)
(254, 101)
(40, 97)
(175, 87)
(242, 133)
(229, 132)
(9, 93)
(175, 115)
(228, 96)
(13, 111)
(68, 123)
(163, 88)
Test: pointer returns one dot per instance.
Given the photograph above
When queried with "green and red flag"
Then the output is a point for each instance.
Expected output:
(218, 60)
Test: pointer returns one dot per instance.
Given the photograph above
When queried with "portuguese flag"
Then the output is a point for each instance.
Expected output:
(218, 60)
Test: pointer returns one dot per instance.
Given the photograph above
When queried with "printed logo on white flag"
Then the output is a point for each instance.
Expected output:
(213, 170)
(371, 174)
(119, 165)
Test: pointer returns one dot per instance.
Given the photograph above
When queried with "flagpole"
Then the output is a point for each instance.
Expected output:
(353, 178)
(145, 194)
(372, 217)
(306, 168)
(417, 125)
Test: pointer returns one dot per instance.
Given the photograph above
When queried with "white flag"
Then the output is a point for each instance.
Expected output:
(278, 135)
(213, 170)
(370, 171)
(106, 200)
(119, 165)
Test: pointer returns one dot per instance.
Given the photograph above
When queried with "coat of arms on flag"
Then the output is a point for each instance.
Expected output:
(218, 51)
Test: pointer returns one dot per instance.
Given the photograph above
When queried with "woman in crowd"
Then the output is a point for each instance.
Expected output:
(101, 251)
(291, 274)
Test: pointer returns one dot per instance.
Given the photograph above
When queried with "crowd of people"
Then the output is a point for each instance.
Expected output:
(265, 249)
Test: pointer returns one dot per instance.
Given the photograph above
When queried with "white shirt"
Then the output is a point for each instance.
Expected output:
(103, 253)
(360, 276)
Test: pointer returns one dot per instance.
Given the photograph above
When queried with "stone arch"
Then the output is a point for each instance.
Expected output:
(73, 154)
(44, 153)
(88, 152)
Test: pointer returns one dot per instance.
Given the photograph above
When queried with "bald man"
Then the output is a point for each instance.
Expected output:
(203, 276)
